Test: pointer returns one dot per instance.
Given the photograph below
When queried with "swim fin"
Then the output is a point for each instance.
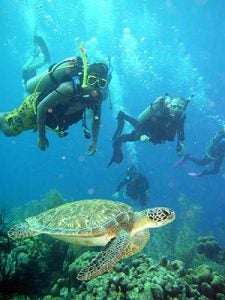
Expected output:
(120, 125)
(41, 43)
(117, 156)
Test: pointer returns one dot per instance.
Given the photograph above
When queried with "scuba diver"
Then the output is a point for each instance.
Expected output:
(39, 57)
(215, 152)
(59, 98)
(135, 185)
(162, 121)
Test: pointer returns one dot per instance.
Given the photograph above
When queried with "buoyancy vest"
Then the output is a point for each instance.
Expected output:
(161, 126)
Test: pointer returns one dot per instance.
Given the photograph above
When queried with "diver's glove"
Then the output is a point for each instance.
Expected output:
(180, 148)
(92, 148)
(116, 195)
(144, 138)
(43, 143)
(147, 193)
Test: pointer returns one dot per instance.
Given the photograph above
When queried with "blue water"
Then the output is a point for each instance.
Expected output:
(156, 46)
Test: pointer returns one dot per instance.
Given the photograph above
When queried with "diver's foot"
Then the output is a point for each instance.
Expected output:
(182, 160)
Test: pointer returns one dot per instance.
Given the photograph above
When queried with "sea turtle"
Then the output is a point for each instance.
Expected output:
(97, 222)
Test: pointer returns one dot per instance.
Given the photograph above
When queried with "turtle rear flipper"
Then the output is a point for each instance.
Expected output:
(107, 259)
(21, 230)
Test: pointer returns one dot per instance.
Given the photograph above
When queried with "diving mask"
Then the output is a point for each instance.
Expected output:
(176, 108)
(93, 80)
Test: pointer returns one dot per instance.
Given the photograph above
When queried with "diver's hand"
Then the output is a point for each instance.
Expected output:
(116, 195)
(144, 138)
(180, 148)
(92, 148)
(43, 143)
(147, 193)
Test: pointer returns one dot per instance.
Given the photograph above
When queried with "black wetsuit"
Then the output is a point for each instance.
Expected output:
(136, 187)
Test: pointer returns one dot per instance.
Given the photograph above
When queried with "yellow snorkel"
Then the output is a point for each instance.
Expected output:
(84, 59)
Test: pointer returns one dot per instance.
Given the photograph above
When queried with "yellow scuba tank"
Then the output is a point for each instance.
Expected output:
(54, 76)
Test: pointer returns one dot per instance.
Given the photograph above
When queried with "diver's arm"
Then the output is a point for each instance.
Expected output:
(95, 126)
(180, 137)
(96, 122)
(180, 130)
(122, 183)
(117, 194)
(219, 136)
(145, 182)
(60, 96)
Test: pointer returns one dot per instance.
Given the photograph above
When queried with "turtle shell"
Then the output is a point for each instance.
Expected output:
(84, 218)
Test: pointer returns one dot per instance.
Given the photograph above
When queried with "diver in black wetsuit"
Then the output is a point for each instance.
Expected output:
(162, 121)
(135, 185)
(215, 153)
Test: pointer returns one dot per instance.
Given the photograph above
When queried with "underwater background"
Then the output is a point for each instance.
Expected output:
(155, 47)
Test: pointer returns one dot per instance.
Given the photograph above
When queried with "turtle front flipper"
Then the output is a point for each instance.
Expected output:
(138, 241)
(21, 230)
(106, 260)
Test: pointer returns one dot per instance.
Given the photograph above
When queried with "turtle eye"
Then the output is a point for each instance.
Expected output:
(169, 213)
(166, 213)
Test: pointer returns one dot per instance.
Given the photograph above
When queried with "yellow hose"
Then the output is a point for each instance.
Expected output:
(84, 58)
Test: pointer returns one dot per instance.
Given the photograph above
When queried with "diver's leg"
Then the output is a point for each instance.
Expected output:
(131, 120)
(121, 117)
(20, 119)
(44, 49)
(117, 156)
(200, 161)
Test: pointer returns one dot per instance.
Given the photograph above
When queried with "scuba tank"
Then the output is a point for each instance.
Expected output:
(56, 74)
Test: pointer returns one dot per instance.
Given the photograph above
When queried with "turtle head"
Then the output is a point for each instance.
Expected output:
(159, 216)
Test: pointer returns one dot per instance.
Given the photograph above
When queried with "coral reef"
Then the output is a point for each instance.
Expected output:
(25, 265)
(5, 223)
(209, 246)
(31, 269)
